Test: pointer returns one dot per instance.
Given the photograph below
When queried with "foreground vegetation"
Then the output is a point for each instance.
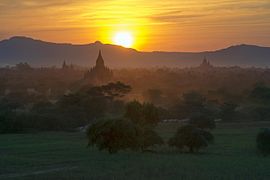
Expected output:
(65, 156)
(147, 138)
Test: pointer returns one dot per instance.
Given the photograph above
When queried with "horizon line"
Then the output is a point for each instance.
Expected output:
(98, 41)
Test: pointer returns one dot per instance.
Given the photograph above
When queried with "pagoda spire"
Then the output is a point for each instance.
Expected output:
(64, 65)
(99, 73)
(100, 61)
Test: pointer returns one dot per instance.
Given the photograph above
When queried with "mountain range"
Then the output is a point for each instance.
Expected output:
(40, 53)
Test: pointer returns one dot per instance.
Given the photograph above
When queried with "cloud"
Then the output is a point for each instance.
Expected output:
(174, 16)
(163, 20)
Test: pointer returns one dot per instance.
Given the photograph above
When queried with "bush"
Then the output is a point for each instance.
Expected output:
(190, 137)
(263, 141)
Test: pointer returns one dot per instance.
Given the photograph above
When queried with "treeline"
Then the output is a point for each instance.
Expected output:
(69, 112)
(114, 123)
(89, 103)
(161, 86)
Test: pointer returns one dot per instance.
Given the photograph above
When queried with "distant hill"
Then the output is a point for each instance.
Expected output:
(40, 53)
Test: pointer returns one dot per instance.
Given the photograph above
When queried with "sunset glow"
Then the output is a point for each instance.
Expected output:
(124, 39)
(172, 25)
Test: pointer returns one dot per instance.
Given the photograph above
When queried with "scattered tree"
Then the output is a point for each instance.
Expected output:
(261, 93)
(113, 135)
(121, 134)
(148, 138)
(263, 141)
(190, 137)
(142, 114)
(192, 103)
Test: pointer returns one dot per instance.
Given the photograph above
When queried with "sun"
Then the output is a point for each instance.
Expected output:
(124, 39)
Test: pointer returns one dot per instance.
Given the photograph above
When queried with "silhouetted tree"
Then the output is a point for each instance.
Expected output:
(193, 103)
(93, 102)
(145, 116)
(142, 114)
(120, 134)
(261, 93)
(9, 123)
(148, 137)
(191, 137)
(113, 135)
(263, 141)
(260, 97)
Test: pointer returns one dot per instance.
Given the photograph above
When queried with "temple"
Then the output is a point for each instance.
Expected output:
(99, 74)
(65, 66)
(205, 65)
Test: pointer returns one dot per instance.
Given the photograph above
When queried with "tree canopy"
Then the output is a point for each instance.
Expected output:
(190, 137)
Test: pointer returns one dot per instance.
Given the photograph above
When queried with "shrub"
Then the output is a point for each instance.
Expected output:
(263, 141)
(191, 137)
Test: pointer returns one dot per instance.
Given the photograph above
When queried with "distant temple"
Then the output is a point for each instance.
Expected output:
(205, 64)
(65, 66)
(99, 73)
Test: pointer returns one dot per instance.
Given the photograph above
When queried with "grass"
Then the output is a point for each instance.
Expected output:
(59, 156)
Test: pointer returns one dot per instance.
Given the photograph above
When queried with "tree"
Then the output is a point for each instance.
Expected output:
(261, 93)
(191, 137)
(142, 114)
(93, 102)
(120, 134)
(9, 123)
(263, 141)
(133, 111)
(145, 116)
(115, 90)
(148, 138)
(261, 98)
(113, 135)
(109, 91)
(192, 103)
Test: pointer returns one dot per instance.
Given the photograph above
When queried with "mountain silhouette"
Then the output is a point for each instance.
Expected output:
(40, 53)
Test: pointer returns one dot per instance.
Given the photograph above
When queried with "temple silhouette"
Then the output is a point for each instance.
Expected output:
(65, 66)
(99, 74)
(205, 65)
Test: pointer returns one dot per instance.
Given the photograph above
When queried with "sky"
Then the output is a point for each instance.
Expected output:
(171, 25)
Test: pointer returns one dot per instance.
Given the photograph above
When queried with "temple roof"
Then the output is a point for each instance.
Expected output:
(100, 61)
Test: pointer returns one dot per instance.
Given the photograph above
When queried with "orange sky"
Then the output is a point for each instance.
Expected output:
(171, 25)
